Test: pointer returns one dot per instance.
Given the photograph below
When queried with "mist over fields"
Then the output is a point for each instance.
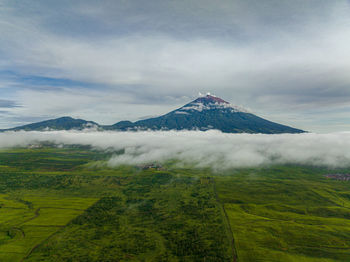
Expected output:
(203, 149)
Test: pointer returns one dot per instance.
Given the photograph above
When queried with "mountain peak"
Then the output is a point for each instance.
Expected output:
(210, 102)
(210, 99)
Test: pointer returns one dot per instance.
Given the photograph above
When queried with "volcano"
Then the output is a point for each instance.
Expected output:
(205, 113)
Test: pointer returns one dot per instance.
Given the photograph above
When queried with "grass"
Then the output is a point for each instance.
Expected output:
(30, 219)
(287, 214)
(65, 204)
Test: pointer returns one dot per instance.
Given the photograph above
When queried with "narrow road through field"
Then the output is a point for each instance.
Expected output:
(227, 222)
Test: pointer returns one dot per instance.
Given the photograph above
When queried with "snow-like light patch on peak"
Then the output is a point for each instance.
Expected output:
(181, 113)
(206, 94)
(200, 107)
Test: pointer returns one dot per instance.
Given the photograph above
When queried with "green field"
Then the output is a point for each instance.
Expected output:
(65, 204)
(287, 214)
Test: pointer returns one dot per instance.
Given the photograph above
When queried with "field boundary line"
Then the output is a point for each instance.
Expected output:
(53, 234)
(227, 223)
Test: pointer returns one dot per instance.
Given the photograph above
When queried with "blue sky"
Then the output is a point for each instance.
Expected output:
(106, 61)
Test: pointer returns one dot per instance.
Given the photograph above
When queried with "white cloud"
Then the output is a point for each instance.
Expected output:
(203, 149)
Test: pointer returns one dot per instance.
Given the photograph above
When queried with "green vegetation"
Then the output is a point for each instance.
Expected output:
(65, 204)
(156, 217)
(287, 214)
(28, 219)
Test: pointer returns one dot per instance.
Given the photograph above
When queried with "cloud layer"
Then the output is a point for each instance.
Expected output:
(211, 149)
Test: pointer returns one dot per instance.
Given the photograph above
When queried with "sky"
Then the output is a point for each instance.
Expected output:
(111, 60)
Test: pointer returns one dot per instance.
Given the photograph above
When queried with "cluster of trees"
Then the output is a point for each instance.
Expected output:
(155, 217)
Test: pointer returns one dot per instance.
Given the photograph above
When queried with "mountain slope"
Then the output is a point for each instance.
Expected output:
(206, 113)
(62, 123)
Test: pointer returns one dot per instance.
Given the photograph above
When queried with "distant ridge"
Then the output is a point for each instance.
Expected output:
(204, 113)
(62, 123)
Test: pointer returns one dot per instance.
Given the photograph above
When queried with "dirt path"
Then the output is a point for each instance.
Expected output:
(18, 226)
(36, 214)
(227, 223)
(20, 230)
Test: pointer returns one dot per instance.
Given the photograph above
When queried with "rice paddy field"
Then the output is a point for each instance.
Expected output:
(66, 204)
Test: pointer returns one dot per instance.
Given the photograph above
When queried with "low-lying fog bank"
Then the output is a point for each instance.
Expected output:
(205, 149)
